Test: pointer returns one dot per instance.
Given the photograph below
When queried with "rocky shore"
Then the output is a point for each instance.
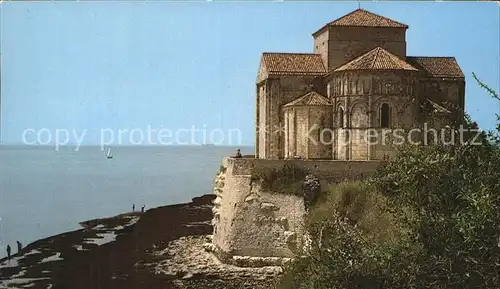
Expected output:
(160, 248)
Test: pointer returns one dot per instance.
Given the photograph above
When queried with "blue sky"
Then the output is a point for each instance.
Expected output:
(122, 65)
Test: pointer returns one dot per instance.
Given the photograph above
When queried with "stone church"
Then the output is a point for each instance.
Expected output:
(320, 105)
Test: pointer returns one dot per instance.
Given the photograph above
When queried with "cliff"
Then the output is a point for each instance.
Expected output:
(260, 207)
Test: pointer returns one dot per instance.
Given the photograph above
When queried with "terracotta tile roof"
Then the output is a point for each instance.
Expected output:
(377, 59)
(437, 66)
(364, 18)
(293, 63)
(309, 99)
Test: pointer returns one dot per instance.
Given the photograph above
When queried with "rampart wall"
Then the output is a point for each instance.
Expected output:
(257, 227)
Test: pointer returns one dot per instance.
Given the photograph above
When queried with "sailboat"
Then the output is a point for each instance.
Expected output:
(109, 155)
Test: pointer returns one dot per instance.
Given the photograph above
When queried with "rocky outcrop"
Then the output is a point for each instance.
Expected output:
(254, 226)
(187, 260)
(218, 189)
(261, 206)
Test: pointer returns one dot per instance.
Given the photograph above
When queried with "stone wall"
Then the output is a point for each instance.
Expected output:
(359, 96)
(261, 138)
(447, 91)
(347, 43)
(303, 126)
(255, 226)
(272, 93)
(321, 43)
(330, 170)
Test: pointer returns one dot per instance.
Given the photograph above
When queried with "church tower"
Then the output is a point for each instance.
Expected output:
(356, 33)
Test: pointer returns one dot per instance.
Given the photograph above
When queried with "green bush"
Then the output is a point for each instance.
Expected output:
(288, 179)
(454, 195)
(360, 205)
(356, 243)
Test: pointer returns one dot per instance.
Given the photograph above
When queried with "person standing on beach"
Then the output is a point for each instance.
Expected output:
(142, 208)
(8, 251)
(133, 208)
(19, 246)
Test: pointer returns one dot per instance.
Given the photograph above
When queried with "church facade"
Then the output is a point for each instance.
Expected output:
(337, 102)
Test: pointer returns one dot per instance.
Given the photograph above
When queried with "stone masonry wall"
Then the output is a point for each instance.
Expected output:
(261, 121)
(254, 227)
(321, 43)
(449, 92)
(347, 43)
(272, 93)
(361, 95)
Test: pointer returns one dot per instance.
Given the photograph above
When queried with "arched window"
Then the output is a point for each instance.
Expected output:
(385, 115)
(328, 88)
(341, 117)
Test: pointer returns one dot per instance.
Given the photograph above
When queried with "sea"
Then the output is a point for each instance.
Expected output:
(44, 192)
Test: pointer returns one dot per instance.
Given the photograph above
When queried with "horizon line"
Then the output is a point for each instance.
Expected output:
(127, 145)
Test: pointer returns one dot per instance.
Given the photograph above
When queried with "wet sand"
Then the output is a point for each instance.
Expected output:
(160, 248)
(120, 252)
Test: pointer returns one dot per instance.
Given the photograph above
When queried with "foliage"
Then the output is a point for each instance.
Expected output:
(288, 179)
(311, 188)
(493, 135)
(454, 194)
(351, 249)
(430, 218)
(360, 205)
